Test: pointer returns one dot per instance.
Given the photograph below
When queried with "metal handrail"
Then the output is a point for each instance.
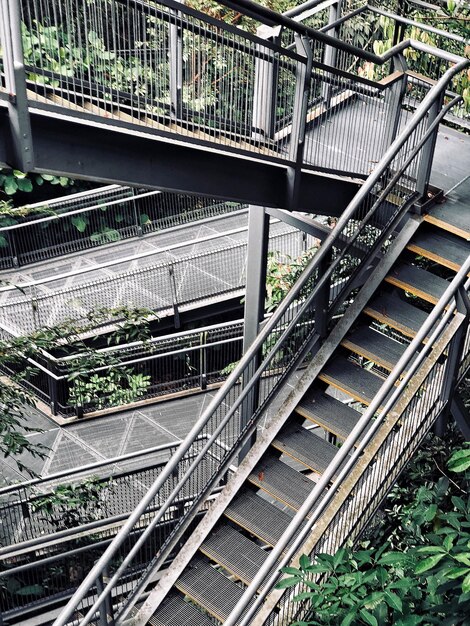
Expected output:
(322, 255)
(408, 363)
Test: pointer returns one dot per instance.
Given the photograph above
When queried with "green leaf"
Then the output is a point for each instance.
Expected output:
(304, 561)
(456, 572)
(368, 617)
(287, 582)
(393, 558)
(24, 184)
(463, 558)
(466, 584)
(431, 513)
(394, 601)
(290, 570)
(429, 563)
(348, 618)
(431, 550)
(80, 223)
(459, 461)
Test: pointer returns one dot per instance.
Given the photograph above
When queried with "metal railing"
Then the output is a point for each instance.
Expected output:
(232, 417)
(167, 67)
(412, 397)
(168, 278)
(95, 218)
(41, 561)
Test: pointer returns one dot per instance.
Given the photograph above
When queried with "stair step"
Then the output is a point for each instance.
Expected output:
(352, 379)
(306, 447)
(417, 281)
(281, 482)
(443, 248)
(234, 552)
(391, 310)
(374, 346)
(332, 415)
(216, 593)
(451, 218)
(258, 517)
(175, 611)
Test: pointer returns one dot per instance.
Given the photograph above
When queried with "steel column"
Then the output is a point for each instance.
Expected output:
(427, 152)
(393, 100)
(264, 96)
(176, 67)
(330, 54)
(15, 78)
(255, 294)
(297, 139)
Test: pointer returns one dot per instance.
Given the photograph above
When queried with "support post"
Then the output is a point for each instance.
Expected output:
(53, 391)
(15, 78)
(427, 152)
(106, 616)
(299, 121)
(265, 92)
(255, 294)
(176, 67)
(330, 54)
(393, 99)
(454, 357)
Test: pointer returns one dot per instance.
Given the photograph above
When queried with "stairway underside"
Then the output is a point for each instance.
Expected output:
(74, 146)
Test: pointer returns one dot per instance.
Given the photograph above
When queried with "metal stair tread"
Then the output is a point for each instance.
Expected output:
(352, 379)
(306, 447)
(281, 482)
(374, 346)
(451, 218)
(175, 611)
(418, 281)
(258, 516)
(234, 552)
(204, 584)
(391, 310)
(329, 413)
(443, 248)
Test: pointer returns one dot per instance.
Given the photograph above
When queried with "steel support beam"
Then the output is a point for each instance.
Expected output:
(101, 152)
(256, 267)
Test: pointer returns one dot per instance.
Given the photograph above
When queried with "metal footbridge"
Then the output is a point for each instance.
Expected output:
(253, 486)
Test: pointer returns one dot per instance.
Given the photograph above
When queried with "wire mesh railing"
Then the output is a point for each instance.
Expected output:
(232, 417)
(179, 276)
(49, 541)
(107, 215)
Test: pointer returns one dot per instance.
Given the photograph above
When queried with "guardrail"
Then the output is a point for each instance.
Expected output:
(95, 218)
(234, 413)
(412, 397)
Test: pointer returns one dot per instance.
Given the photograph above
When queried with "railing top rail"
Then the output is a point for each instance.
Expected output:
(71, 197)
(58, 216)
(70, 473)
(420, 113)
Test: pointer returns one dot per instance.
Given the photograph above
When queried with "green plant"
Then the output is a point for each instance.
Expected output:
(282, 273)
(425, 581)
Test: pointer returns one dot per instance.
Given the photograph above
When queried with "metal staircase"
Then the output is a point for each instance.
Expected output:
(236, 546)
(270, 486)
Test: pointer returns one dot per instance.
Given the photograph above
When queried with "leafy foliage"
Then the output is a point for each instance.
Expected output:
(419, 575)
(282, 273)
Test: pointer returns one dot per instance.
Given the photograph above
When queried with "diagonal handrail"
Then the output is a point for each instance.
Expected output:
(249, 359)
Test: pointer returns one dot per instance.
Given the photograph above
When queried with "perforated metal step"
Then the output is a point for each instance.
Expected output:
(235, 552)
(281, 482)
(375, 347)
(418, 282)
(258, 516)
(306, 447)
(331, 414)
(213, 591)
(176, 611)
(444, 248)
(391, 310)
(354, 380)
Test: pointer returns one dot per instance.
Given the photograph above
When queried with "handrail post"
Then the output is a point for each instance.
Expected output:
(330, 54)
(265, 92)
(393, 98)
(299, 120)
(53, 390)
(15, 77)
(106, 614)
(176, 67)
(427, 152)
(256, 268)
